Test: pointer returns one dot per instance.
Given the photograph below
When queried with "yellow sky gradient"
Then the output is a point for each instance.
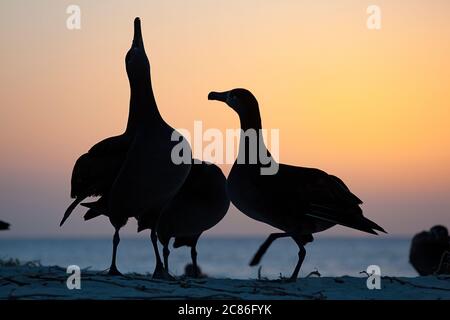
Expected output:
(372, 107)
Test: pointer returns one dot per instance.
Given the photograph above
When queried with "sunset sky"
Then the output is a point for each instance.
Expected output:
(372, 107)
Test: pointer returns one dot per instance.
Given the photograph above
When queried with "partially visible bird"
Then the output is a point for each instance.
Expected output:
(299, 201)
(429, 250)
(158, 160)
(201, 203)
(4, 225)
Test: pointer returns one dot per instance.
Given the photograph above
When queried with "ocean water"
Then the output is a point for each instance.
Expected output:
(223, 257)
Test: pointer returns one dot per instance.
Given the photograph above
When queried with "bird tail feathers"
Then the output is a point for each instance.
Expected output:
(95, 210)
(91, 214)
(70, 209)
(354, 220)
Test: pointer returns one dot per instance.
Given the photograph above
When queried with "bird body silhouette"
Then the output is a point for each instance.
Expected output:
(299, 201)
(201, 203)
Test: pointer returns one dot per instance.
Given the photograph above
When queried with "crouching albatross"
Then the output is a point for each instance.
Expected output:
(299, 201)
(201, 203)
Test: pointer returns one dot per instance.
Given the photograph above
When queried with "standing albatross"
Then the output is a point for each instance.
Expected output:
(133, 173)
(299, 201)
(158, 160)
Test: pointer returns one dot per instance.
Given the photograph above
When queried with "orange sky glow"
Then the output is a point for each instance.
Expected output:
(372, 107)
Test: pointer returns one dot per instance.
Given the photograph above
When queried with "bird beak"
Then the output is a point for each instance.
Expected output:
(219, 96)
(137, 39)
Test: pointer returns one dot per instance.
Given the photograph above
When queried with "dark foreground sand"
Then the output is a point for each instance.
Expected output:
(38, 282)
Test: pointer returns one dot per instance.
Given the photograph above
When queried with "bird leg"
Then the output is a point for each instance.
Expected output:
(166, 253)
(263, 248)
(160, 272)
(154, 239)
(194, 260)
(300, 241)
(113, 271)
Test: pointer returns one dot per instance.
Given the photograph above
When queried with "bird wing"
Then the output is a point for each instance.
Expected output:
(112, 145)
(95, 171)
(322, 196)
(316, 185)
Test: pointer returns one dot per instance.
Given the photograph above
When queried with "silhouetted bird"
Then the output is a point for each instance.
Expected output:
(200, 204)
(133, 173)
(429, 250)
(95, 171)
(150, 176)
(4, 225)
(299, 201)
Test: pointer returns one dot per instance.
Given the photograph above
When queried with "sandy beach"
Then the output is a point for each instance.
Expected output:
(41, 282)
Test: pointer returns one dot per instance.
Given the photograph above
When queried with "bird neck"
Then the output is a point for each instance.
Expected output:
(250, 119)
(251, 141)
(143, 108)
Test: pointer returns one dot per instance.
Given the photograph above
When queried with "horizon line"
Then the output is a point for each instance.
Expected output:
(212, 236)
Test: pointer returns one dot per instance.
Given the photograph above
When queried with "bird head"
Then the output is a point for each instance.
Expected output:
(136, 61)
(439, 232)
(240, 100)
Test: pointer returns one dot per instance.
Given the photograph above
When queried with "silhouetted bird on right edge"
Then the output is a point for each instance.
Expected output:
(299, 201)
(430, 251)
(4, 225)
